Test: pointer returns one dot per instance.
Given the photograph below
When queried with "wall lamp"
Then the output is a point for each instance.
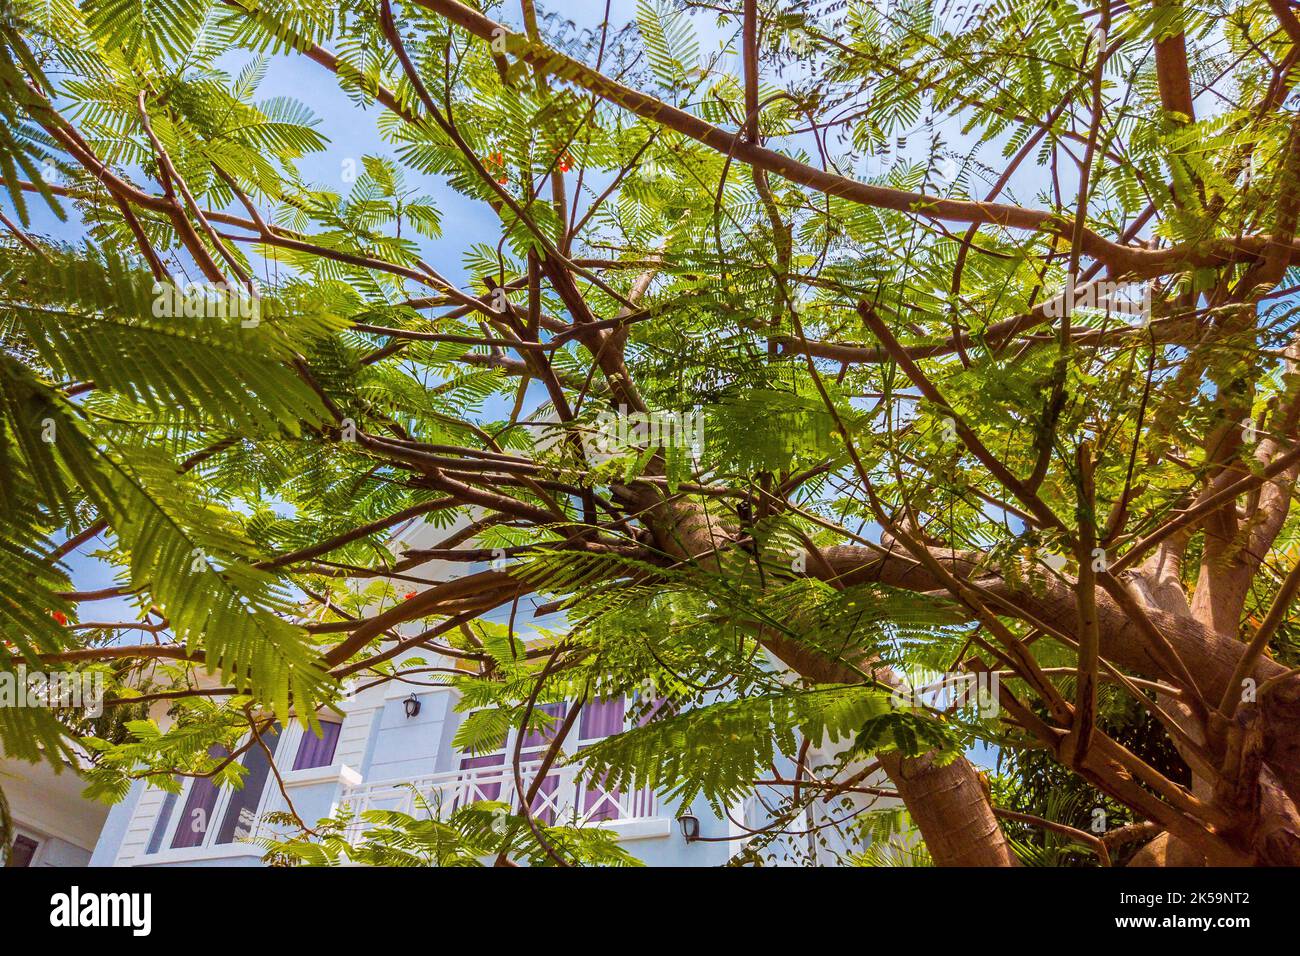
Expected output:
(690, 825)
(412, 705)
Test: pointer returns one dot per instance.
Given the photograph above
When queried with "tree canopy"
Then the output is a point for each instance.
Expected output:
(819, 346)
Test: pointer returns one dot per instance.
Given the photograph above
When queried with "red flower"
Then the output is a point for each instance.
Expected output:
(409, 595)
(498, 162)
(564, 163)
(60, 617)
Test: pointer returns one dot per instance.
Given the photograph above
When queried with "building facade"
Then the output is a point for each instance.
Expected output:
(392, 741)
(391, 747)
(54, 825)
(391, 744)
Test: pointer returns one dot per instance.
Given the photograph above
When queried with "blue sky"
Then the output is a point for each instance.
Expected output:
(351, 133)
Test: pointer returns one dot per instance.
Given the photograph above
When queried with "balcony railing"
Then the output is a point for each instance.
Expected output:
(562, 799)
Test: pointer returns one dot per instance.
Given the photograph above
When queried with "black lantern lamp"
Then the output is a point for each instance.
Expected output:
(690, 825)
(412, 705)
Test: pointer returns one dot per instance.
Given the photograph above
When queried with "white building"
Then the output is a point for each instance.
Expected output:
(392, 737)
(54, 825)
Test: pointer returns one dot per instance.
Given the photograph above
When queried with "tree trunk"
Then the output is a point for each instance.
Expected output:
(949, 804)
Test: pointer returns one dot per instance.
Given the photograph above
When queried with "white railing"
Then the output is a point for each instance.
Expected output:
(563, 799)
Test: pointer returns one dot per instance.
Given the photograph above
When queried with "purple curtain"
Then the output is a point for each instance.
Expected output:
(659, 708)
(542, 738)
(538, 741)
(600, 719)
(316, 751)
(239, 819)
(196, 816)
(488, 791)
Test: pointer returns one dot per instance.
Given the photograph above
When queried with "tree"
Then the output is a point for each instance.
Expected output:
(1048, 438)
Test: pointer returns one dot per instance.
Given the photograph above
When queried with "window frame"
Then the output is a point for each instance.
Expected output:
(38, 855)
(573, 744)
(216, 818)
(291, 742)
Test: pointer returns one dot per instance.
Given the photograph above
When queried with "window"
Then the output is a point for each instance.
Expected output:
(240, 816)
(213, 815)
(23, 852)
(160, 826)
(535, 745)
(600, 719)
(483, 790)
(196, 815)
(531, 749)
(649, 709)
(564, 794)
(316, 751)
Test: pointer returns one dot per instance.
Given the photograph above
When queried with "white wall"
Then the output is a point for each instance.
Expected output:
(407, 747)
(50, 805)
